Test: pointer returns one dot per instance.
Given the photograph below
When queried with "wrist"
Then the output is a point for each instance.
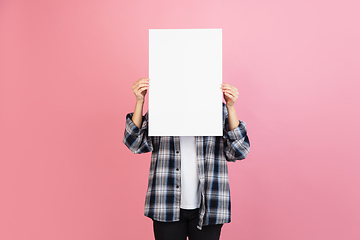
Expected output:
(230, 106)
(139, 102)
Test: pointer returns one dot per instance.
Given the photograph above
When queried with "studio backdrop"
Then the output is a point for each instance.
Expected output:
(66, 74)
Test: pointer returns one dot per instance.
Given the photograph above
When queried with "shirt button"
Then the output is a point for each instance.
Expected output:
(177, 186)
(177, 151)
(177, 169)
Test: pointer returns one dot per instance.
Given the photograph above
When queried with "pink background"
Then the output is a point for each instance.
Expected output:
(66, 71)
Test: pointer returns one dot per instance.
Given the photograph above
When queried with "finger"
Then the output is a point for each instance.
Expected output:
(140, 90)
(141, 80)
(232, 92)
(230, 95)
(228, 86)
(142, 85)
(229, 89)
(229, 98)
(139, 85)
(144, 80)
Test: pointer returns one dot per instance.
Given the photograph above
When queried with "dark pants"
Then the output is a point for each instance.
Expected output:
(186, 227)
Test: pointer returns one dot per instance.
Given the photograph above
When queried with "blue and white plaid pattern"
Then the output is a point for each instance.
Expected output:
(162, 201)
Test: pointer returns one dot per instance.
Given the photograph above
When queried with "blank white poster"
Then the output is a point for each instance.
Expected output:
(185, 71)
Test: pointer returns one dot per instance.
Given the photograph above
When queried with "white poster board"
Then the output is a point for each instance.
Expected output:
(185, 71)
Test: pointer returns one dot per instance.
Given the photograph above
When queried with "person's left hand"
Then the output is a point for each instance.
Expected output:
(230, 94)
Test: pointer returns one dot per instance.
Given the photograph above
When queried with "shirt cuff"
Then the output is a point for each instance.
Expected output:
(131, 127)
(237, 133)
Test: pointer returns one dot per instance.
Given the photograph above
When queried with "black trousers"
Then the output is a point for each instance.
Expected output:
(186, 227)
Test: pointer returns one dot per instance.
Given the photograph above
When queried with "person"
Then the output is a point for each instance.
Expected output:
(188, 191)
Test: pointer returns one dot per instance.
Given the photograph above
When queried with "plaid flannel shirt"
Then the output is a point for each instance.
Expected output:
(162, 202)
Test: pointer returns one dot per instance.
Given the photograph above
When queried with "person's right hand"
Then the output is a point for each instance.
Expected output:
(140, 88)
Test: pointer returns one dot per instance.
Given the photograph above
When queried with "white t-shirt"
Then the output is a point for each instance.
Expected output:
(190, 194)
